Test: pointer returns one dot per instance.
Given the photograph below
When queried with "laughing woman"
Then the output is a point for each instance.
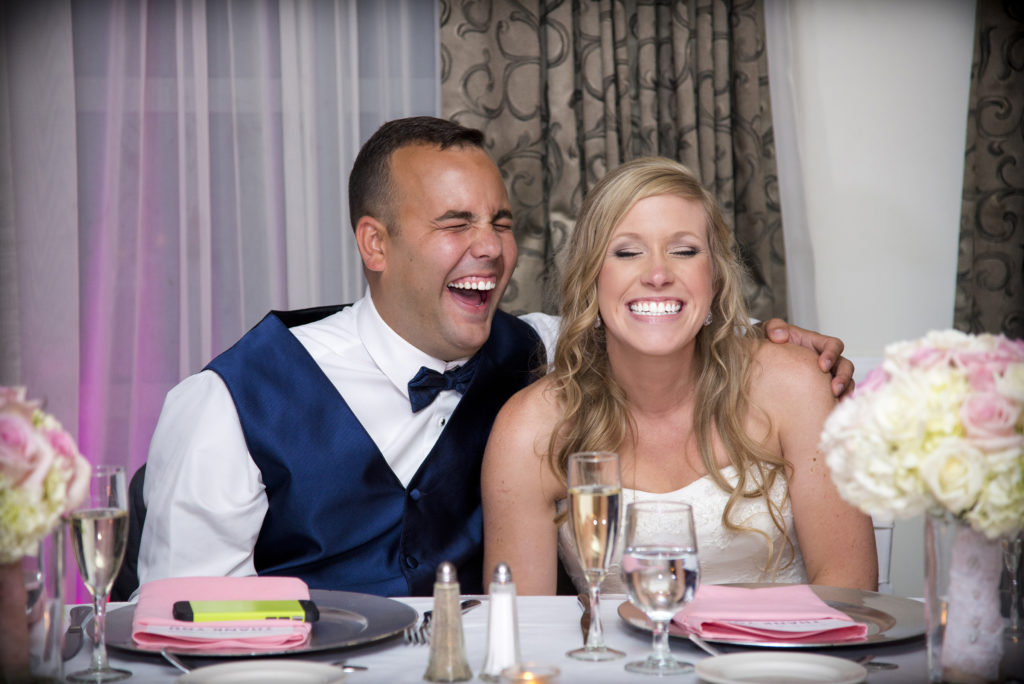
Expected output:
(656, 361)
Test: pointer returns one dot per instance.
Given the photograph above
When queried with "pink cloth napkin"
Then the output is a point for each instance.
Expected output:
(786, 612)
(154, 627)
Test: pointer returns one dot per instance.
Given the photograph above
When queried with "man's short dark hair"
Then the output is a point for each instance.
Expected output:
(370, 191)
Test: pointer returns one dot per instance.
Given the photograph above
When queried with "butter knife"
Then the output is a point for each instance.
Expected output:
(73, 637)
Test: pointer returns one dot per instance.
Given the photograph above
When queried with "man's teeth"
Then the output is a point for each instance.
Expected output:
(473, 285)
(655, 308)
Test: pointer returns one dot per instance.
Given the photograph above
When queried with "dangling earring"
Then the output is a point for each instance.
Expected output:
(597, 322)
(707, 321)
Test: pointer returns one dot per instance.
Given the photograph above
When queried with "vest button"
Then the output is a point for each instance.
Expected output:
(411, 562)
(415, 494)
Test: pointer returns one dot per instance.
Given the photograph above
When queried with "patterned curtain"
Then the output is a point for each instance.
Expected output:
(567, 89)
(990, 272)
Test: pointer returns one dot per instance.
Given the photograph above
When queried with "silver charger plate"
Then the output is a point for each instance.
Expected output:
(889, 618)
(346, 619)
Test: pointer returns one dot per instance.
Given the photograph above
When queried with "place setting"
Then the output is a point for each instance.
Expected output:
(660, 570)
(210, 618)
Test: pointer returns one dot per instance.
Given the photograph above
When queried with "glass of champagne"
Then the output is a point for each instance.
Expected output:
(595, 490)
(99, 534)
(659, 567)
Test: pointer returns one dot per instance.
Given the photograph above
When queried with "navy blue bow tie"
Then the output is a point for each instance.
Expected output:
(427, 384)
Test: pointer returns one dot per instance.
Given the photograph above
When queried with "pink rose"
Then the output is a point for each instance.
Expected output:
(68, 457)
(876, 379)
(929, 357)
(15, 441)
(989, 419)
(62, 444)
(22, 456)
(1012, 350)
(78, 485)
(983, 367)
(13, 399)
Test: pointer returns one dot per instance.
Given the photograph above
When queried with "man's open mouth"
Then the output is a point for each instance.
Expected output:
(473, 290)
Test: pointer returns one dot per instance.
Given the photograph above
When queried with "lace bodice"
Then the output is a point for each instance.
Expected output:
(726, 556)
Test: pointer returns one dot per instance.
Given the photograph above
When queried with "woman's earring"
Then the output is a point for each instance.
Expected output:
(707, 321)
(597, 321)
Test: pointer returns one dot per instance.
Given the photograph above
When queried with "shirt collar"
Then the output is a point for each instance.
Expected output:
(394, 356)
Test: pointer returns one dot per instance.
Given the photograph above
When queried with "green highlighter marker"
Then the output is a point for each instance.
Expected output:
(300, 610)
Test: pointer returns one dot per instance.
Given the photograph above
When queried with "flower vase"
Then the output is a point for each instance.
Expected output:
(32, 613)
(963, 620)
(45, 610)
(13, 624)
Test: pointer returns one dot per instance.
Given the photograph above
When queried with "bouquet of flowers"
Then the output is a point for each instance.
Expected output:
(939, 426)
(42, 474)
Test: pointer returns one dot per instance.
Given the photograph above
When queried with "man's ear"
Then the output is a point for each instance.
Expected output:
(373, 241)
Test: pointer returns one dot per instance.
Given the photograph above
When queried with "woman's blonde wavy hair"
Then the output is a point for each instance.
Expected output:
(595, 414)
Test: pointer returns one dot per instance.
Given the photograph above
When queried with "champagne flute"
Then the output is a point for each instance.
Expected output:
(660, 570)
(595, 490)
(99, 534)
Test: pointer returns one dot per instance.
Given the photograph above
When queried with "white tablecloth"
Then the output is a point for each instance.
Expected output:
(548, 627)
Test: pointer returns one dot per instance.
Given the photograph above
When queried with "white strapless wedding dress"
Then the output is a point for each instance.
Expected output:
(726, 556)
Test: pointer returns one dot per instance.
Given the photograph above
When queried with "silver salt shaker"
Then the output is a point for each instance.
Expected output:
(502, 626)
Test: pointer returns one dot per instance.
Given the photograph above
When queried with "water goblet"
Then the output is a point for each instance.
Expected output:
(595, 491)
(659, 567)
(99, 534)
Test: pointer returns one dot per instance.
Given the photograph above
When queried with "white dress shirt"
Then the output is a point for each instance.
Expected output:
(204, 494)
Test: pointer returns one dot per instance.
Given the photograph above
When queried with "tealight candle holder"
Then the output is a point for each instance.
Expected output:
(530, 672)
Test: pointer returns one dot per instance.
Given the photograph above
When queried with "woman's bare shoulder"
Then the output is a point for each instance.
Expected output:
(536, 399)
(516, 451)
(786, 366)
(528, 417)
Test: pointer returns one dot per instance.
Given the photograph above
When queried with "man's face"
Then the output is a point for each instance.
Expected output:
(447, 262)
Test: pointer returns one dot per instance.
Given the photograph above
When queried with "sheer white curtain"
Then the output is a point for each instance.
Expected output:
(803, 310)
(173, 169)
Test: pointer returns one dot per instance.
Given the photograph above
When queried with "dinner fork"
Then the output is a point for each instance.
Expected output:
(419, 634)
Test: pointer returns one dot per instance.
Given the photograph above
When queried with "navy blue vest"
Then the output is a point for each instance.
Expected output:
(338, 517)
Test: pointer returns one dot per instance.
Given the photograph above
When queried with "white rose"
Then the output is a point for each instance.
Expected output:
(895, 412)
(1011, 383)
(954, 473)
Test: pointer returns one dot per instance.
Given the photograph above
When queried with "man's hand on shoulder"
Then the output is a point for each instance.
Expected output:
(829, 350)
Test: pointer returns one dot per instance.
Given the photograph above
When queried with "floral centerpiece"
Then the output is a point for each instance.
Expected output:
(938, 428)
(42, 476)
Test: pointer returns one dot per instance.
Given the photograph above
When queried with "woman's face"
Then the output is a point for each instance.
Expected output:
(655, 287)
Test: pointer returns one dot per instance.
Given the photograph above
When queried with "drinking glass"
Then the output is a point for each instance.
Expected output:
(659, 567)
(99, 534)
(595, 490)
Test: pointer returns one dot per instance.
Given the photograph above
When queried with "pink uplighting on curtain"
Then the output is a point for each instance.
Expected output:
(179, 169)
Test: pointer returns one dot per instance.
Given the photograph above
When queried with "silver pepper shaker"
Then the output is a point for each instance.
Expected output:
(447, 647)
(502, 626)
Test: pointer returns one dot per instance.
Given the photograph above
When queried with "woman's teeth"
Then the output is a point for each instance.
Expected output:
(655, 308)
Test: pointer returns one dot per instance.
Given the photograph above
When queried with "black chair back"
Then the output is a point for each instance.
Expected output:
(128, 578)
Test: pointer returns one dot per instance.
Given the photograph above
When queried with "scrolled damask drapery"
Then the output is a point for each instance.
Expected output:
(567, 90)
(990, 272)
